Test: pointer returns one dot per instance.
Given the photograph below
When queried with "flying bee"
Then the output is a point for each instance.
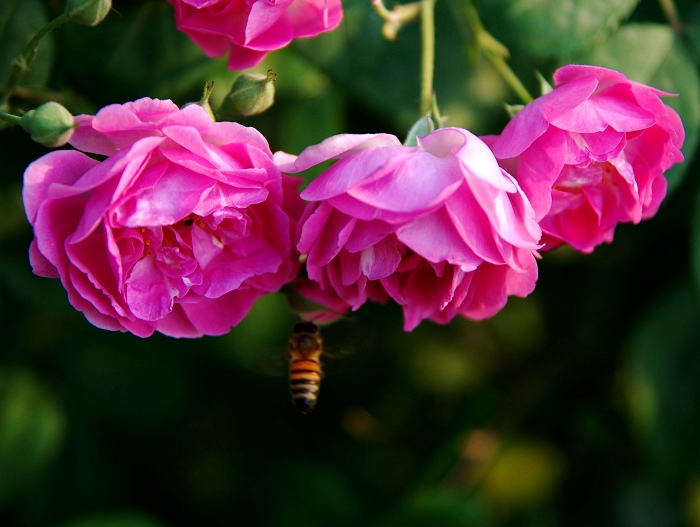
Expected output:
(305, 373)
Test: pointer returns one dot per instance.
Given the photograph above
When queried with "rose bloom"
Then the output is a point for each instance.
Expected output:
(179, 230)
(591, 154)
(250, 29)
(439, 227)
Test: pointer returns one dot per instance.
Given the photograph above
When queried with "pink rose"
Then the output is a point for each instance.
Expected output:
(250, 29)
(179, 230)
(439, 227)
(591, 154)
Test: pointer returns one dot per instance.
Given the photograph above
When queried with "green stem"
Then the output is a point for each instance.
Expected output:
(501, 66)
(669, 9)
(428, 55)
(9, 118)
(21, 64)
(494, 51)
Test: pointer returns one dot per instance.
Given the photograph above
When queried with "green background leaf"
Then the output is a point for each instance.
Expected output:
(546, 30)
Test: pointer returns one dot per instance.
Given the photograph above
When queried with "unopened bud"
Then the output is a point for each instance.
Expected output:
(251, 94)
(88, 12)
(50, 124)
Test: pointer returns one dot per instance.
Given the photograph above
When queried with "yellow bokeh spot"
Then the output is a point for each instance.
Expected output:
(692, 504)
(444, 370)
(525, 473)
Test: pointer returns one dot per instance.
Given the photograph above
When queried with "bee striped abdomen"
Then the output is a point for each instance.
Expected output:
(305, 373)
(305, 381)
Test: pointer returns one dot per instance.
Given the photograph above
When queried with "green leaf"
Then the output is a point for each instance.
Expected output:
(652, 54)
(548, 30)
(32, 427)
(20, 20)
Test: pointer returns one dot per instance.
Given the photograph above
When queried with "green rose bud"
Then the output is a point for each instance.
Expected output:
(251, 94)
(50, 124)
(87, 12)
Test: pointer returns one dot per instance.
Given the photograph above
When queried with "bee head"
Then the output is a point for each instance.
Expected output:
(305, 327)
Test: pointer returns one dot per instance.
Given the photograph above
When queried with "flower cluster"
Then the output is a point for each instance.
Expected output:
(186, 222)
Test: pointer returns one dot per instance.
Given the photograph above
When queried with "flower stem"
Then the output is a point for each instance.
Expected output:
(428, 55)
(21, 64)
(9, 118)
(493, 50)
(501, 66)
(669, 9)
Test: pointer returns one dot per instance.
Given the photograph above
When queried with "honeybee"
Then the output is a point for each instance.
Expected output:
(305, 373)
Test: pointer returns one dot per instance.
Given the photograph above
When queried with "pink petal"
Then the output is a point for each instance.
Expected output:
(472, 226)
(331, 238)
(58, 168)
(519, 229)
(311, 225)
(337, 147)
(434, 237)
(216, 316)
(147, 293)
(87, 139)
(418, 183)
(533, 120)
(41, 266)
(367, 233)
(312, 17)
(177, 325)
(574, 72)
(264, 16)
(92, 260)
(241, 57)
(603, 146)
(381, 259)
(599, 112)
(538, 168)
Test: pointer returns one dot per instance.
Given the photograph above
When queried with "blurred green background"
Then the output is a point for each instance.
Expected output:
(577, 406)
